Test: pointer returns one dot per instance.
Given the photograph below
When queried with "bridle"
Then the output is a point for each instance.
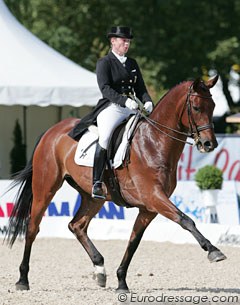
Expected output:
(194, 129)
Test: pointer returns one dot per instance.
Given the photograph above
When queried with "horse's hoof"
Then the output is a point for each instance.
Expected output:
(21, 286)
(101, 279)
(216, 256)
(122, 287)
(122, 290)
(100, 276)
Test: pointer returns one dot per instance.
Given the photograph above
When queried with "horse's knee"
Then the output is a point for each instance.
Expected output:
(186, 222)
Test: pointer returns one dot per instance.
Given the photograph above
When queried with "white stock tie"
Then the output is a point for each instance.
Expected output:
(122, 59)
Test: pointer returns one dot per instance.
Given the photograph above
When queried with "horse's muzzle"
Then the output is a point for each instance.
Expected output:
(205, 145)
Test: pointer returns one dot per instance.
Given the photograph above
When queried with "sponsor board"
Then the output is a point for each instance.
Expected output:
(113, 222)
(225, 157)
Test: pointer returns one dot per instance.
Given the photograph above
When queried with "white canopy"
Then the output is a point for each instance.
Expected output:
(32, 73)
(221, 104)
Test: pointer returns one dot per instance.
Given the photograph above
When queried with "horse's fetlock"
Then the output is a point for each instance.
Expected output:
(24, 269)
(100, 269)
(121, 273)
(98, 260)
(210, 248)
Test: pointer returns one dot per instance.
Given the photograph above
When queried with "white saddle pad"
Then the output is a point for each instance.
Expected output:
(87, 145)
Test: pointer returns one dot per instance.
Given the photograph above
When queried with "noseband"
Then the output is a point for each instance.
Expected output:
(194, 130)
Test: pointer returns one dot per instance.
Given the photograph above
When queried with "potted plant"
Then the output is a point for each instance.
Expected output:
(209, 179)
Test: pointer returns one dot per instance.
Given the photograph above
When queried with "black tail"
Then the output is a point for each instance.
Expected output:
(19, 217)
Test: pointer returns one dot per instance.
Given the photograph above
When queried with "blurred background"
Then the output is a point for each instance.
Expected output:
(174, 41)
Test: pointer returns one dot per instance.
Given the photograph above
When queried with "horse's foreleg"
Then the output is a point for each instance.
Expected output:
(165, 207)
(143, 220)
(79, 225)
(214, 254)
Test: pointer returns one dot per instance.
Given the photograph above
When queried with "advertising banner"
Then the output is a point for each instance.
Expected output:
(114, 222)
(226, 157)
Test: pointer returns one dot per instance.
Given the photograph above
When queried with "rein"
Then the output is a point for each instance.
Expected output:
(156, 124)
(192, 124)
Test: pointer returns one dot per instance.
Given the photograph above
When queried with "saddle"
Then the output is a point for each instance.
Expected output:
(118, 153)
(115, 142)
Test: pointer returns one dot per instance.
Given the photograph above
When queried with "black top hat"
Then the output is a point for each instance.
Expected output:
(120, 31)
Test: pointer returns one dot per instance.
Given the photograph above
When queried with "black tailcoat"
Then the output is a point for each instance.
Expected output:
(116, 82)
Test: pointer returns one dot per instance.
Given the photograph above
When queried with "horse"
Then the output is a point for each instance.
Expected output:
(146, 182)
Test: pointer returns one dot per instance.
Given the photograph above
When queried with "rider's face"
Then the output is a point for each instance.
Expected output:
(120, 45)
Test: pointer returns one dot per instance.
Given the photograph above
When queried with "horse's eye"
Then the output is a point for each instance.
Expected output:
(195, 108)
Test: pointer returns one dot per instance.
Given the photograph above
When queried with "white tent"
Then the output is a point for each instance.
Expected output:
(221, 104)
(32, 74)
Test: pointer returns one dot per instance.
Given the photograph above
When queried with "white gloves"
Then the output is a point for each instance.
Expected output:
(131, 104)
(148, 106)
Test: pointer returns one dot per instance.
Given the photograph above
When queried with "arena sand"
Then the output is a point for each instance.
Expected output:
(160, 273)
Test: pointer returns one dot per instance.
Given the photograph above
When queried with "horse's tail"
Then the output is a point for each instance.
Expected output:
(18, 220)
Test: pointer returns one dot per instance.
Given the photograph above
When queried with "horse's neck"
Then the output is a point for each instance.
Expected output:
(159, 140)
(168, 109)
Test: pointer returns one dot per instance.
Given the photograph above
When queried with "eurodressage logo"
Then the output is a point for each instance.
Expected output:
(134, 298)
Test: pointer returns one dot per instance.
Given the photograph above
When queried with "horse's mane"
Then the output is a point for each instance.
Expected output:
(170, 90)
(202, 84)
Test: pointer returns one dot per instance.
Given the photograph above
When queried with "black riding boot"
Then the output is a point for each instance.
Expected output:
(100, 159)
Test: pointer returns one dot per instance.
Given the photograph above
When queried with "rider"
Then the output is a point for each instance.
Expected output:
(119, 78)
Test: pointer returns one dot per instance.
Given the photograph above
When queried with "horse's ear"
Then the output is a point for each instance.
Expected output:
(196, 84)
(211, 82)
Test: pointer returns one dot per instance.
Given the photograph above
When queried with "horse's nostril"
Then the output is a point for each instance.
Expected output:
(208, 145)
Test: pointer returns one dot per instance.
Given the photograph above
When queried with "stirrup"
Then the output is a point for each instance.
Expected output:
(99, 190)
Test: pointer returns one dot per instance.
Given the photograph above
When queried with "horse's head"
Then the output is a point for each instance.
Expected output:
(198, 117)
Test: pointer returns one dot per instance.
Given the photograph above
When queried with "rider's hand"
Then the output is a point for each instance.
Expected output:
(148, 106)
(131, 104)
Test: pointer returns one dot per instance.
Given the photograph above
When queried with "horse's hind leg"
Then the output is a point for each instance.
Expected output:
(79, 225)
(43, 192)
(32, 231)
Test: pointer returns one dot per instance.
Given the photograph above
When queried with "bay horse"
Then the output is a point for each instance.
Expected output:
(146, 183)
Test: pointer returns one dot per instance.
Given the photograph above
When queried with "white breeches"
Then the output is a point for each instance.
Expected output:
(108, 119)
